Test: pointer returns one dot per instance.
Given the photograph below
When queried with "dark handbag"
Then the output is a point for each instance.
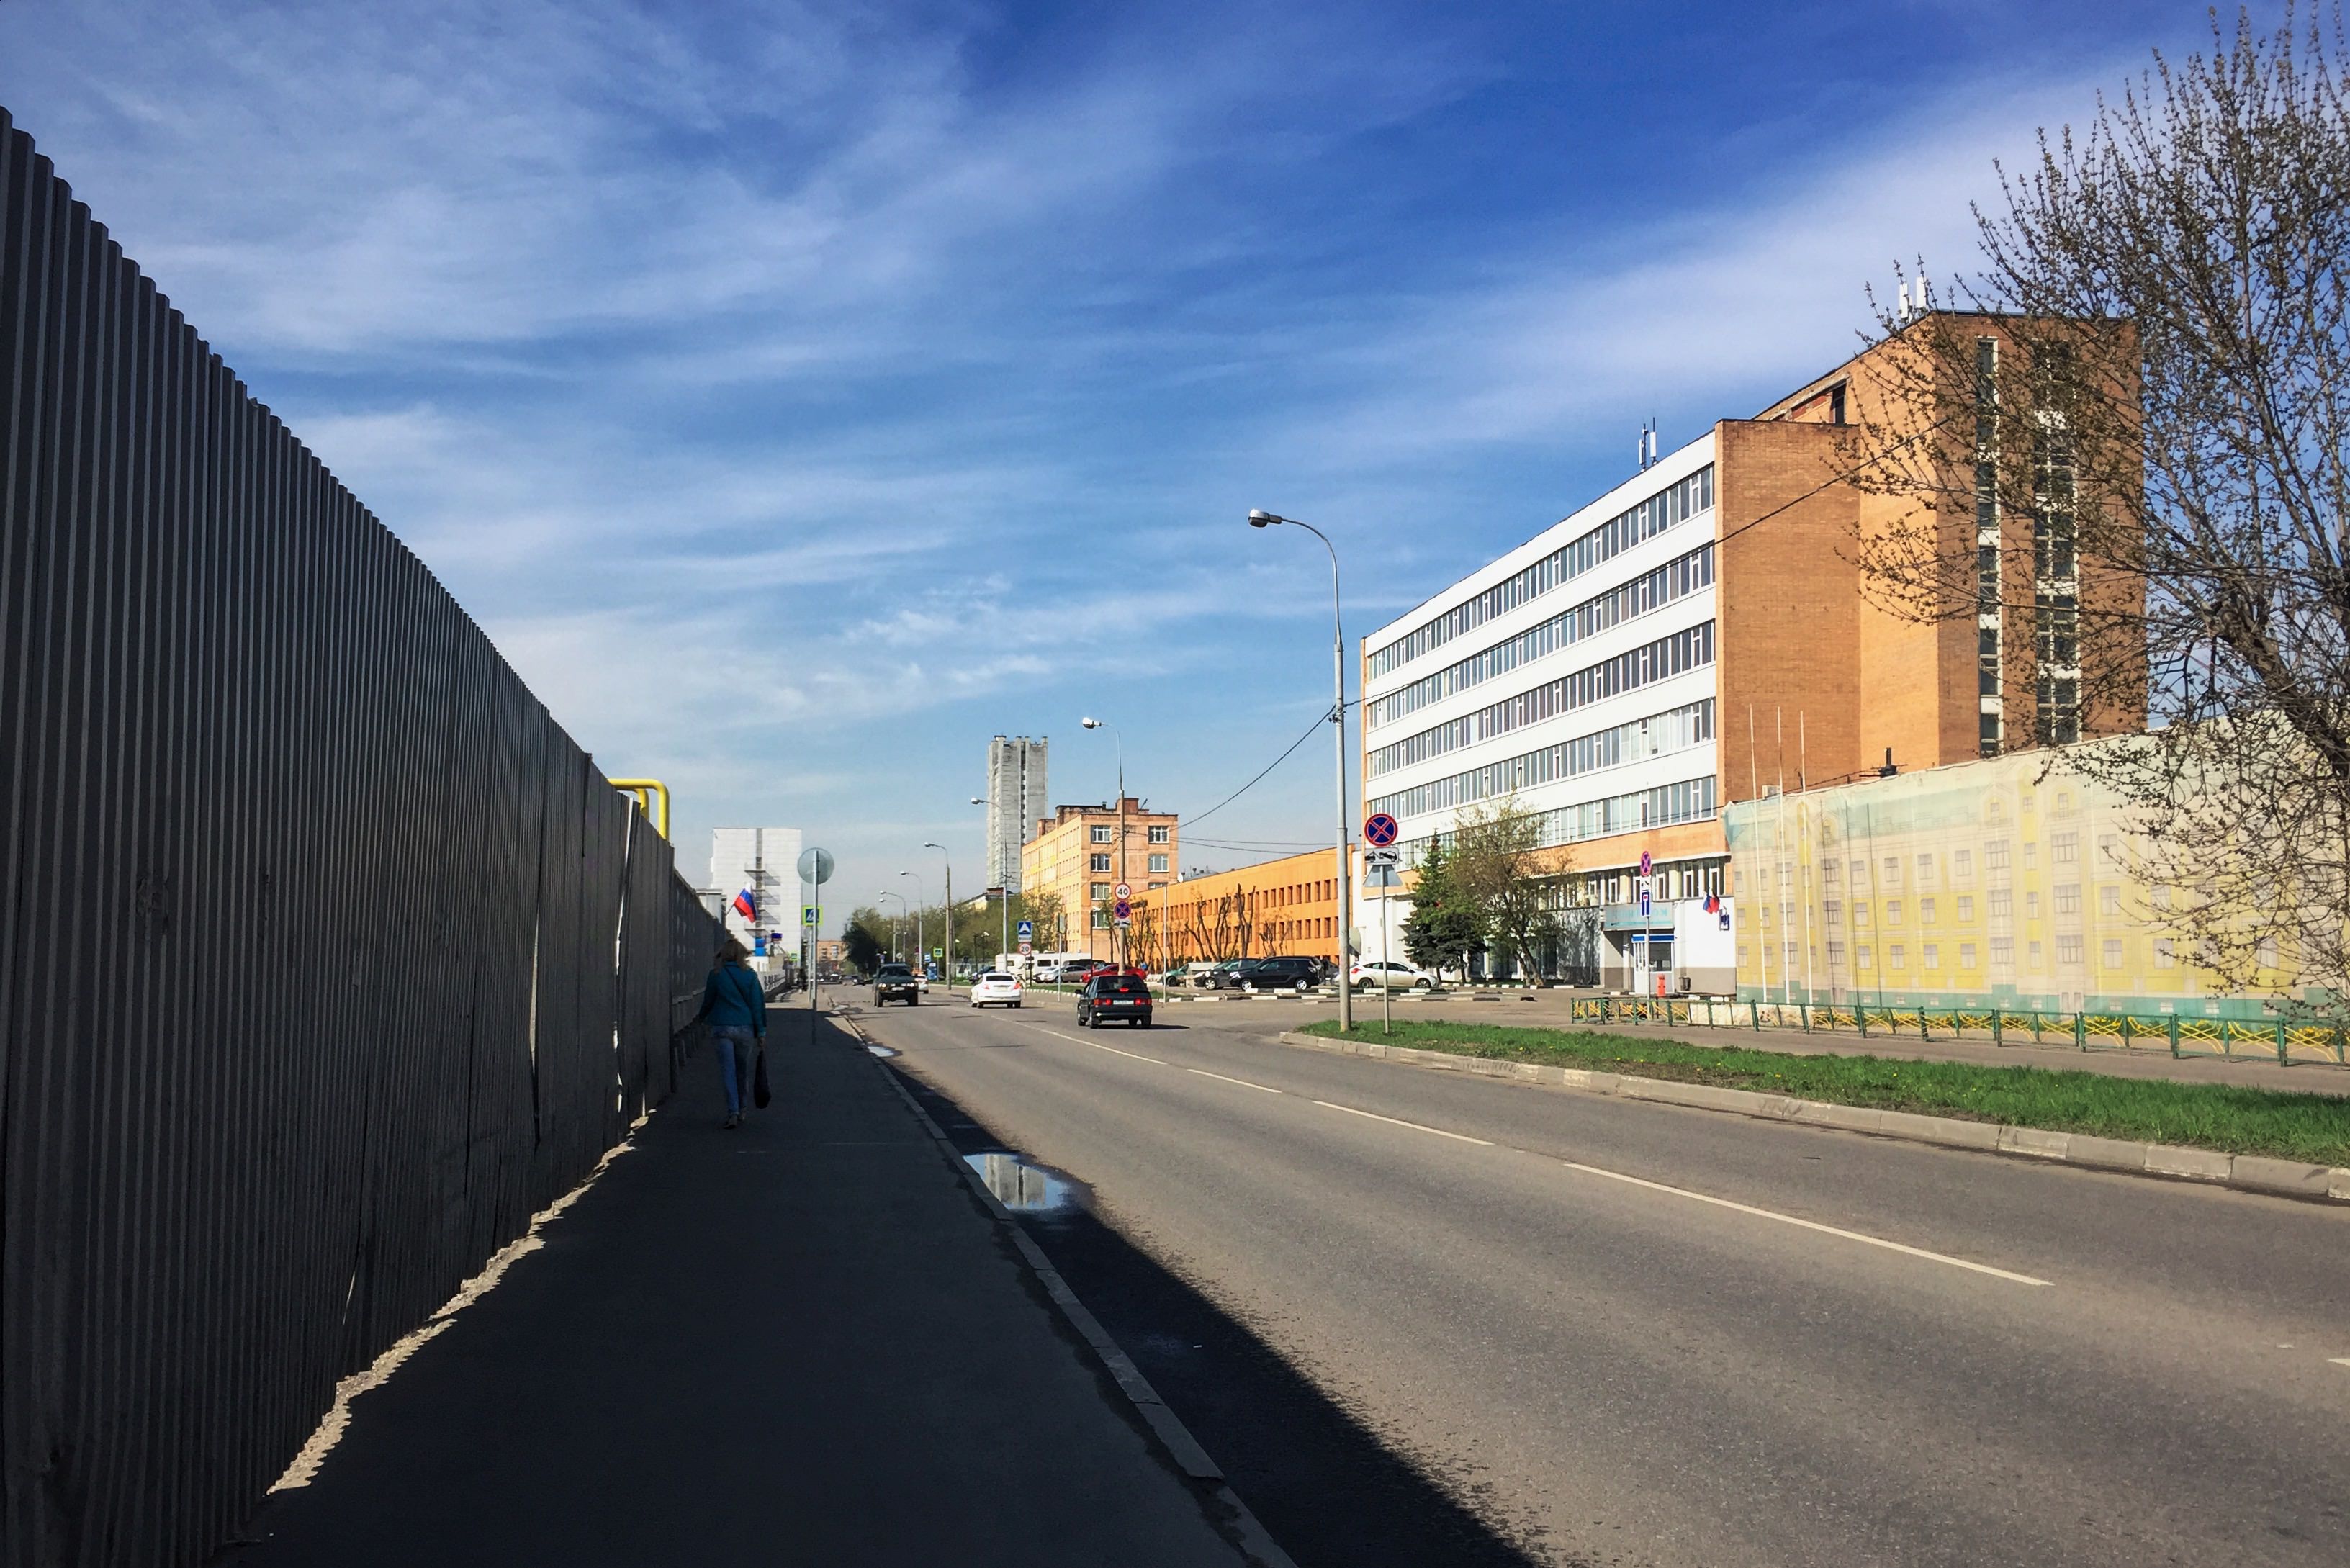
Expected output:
(760, 1094)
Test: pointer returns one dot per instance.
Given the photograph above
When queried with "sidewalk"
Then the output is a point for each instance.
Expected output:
(805, 1340)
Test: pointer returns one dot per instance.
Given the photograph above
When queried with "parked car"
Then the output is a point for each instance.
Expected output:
(1223, 976)
(1180, 975)
(896, 982)
(1391, 974)
(995, 986)
(1114, 997)
(1279, 974)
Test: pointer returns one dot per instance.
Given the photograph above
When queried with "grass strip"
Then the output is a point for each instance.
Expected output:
(2222, 1116)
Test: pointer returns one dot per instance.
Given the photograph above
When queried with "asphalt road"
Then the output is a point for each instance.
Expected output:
(1424, 1318)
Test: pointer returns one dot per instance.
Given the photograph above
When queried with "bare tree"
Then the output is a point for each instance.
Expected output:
(1493, 869)
(2132, 438)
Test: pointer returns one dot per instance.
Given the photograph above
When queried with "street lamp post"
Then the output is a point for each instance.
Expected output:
(949, 866)
(1261, 519)
(895, 925)
(921, 953)
(1002, 902)
(1116, 943)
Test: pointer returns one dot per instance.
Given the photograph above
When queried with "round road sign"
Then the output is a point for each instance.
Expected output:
(1122, 892)
(1380, 830)
(816, 866)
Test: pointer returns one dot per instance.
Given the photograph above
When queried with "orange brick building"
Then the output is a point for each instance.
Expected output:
(1273, 909)
(1696, 636)
(1075, 861)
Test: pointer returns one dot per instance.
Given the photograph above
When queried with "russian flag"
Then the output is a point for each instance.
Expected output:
(746, 906)
(1713, 903)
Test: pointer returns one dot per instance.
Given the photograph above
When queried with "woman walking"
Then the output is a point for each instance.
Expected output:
(737, 1010)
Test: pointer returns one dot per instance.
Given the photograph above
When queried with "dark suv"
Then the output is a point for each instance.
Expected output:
(1122, 997)
(1279, 974)
(896, 982)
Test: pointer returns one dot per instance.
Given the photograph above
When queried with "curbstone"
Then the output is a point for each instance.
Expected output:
(2196, 1163)
(1953, 1131)
(2035, 1141)
(2107, 1153)
(1704, 1096)
(2249, 1173)
(2289, 1177)
(1257, 1543)
(1844, 1119)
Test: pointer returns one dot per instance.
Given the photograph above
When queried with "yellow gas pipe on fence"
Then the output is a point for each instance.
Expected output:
(648, 792)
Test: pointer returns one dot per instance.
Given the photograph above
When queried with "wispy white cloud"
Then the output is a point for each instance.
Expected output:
(800, 393)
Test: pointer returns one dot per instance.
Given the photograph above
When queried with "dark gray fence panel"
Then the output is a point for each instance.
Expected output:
(327, 959)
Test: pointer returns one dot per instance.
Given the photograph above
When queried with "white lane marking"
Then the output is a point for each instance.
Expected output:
(1219, 1078)
(2339, 1360)
(1116, 1052)
(1073, 1040)
(1633, 1180)
(1415, 1126)
(1806, 1224)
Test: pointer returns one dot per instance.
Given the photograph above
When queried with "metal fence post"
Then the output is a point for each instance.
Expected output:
(2284, 1057)
(2080, 1032)
(2173, 1021)
(1996, 1038)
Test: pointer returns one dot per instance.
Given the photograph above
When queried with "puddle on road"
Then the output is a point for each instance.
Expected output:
(1026, 1188)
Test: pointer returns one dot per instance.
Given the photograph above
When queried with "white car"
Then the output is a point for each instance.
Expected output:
(995, 986)
(1372, 974)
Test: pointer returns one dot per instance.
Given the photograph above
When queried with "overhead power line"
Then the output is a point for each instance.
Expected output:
(1276, 762)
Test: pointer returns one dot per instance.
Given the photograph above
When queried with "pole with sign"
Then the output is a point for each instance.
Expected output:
(815, 869)
(1379, 871)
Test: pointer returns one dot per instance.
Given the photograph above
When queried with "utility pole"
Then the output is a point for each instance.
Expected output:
(1120, 952)
(1261, 519)
(949, 866)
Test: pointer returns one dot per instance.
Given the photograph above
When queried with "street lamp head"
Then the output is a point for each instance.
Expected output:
(978, 800)
(928, 844)
(1260, 518)
(1091, 724)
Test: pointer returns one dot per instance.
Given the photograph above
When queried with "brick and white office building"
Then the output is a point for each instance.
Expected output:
(1694, 636)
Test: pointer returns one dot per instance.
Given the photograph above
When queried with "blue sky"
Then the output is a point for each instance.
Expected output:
(800, 394)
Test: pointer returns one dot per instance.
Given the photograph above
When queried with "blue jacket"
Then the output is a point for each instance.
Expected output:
(731, 997)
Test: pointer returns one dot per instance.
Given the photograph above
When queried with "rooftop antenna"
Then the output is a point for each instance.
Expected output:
(1647, 444)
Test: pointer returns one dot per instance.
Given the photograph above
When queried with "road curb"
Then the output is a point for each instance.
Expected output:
(1256, 1544)
(2244, 1172)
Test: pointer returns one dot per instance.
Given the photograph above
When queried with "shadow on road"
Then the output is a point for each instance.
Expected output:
(1325, 1486)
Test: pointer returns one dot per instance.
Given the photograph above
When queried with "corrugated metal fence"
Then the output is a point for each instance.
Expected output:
(325, 957)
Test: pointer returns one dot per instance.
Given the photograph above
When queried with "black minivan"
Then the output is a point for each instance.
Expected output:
(1279, 974)
(1120, 998)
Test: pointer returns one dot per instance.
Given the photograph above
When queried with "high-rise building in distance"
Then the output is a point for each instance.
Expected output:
(1015, 799)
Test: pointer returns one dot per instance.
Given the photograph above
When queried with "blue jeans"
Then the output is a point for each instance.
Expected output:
(735, 1054)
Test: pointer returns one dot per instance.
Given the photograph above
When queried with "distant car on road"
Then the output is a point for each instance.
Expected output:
(995, 986)
(896, 982)
(1391, 974)
(1114, 998)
